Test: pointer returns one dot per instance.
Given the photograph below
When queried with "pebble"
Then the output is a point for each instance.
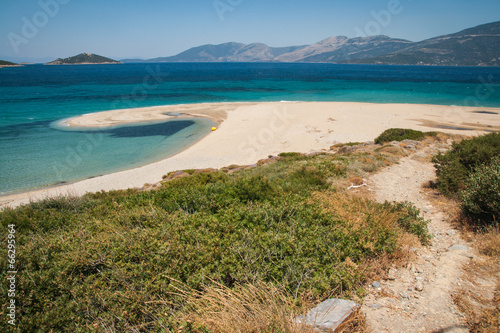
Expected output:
(419, 286)
(376, 284)
(392, 274)
(405, 295)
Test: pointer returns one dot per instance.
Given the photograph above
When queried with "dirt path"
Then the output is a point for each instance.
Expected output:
(418, 298)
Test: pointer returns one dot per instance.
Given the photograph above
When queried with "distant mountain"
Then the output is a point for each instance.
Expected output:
(228, 52)
(84, 59)
(359, 48)
(479, 46)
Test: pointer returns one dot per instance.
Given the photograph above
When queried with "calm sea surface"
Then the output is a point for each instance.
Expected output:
(35, 152)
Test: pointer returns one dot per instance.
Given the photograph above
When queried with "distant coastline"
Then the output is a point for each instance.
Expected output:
(86, 63)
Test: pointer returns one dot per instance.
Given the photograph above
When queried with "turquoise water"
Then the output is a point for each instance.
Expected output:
(36, 153)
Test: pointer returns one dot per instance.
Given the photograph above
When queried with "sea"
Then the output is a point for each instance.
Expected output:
(36, 151)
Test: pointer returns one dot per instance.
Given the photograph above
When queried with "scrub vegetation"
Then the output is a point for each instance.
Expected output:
(261, 243)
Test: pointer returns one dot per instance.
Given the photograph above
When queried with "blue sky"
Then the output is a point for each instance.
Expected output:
(152, 28)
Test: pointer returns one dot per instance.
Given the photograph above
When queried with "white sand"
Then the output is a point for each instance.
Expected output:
(252, 131)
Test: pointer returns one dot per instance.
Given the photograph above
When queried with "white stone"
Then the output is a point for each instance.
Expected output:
(329, 314)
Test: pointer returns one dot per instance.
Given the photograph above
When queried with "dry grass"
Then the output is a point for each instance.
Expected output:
(250, 308)
(356, 323)
(490, 318)
(394, 150)
(355, 209)
(479, 299)
(489, 242)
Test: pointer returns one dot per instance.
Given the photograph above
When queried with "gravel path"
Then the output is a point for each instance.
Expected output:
(418, 298)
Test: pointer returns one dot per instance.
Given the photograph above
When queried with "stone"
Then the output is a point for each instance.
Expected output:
(458, 248)
(329, 314)
(376, 284)
(391, 275)
(419, 286)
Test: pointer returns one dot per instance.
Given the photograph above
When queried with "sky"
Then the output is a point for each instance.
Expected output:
(50, 29)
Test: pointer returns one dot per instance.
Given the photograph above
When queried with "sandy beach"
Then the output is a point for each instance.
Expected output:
(248, 132)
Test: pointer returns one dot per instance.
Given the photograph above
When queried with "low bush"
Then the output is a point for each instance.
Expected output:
(454, 167)
(291, 155)
(481, 197)
(399, 134)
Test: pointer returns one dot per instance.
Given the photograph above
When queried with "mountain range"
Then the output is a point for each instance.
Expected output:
(478, 46)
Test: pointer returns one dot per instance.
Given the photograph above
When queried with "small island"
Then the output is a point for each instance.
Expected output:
(4, 63)
(84, 59)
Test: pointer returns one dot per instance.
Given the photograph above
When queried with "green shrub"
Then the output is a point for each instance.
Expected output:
(481, 197)
(291, 154)
(454, 167)
(411, 221)
(291, 157)
(309, 176)
(399, 134)
(110, 261)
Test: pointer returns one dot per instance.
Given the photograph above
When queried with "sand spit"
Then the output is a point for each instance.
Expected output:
(248, 132)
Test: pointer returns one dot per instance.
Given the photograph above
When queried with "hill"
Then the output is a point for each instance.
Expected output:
(6, 63)
(230, 52)
(479, 46)
(357, 48)
(84, 59)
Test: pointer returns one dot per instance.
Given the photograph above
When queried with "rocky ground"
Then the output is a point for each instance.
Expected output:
(420, 296)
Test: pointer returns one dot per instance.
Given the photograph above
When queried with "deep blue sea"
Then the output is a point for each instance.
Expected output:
(35, 152)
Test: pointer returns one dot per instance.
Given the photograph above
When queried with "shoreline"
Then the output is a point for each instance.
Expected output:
(248, 132)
